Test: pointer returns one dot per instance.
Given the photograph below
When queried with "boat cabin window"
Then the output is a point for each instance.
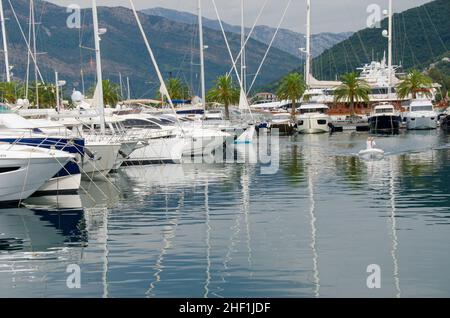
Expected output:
(382, 91)
(8, 169)
(384, 110)
(422, 108)
(161, 121)
(313, 110)
(140, 123)
(166, 122)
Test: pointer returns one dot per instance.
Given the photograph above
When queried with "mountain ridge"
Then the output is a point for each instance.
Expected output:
(287, 40)
(123, 50)
(421, 35)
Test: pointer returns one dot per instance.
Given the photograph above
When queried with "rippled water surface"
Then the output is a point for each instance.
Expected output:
(226, 230)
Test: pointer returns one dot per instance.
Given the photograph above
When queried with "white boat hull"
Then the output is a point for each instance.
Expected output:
(202, 142)
(21, 177)
(202, 146)
(162, 150)
(104, 161)
(127, 148)
(315, 124)
(421, 123)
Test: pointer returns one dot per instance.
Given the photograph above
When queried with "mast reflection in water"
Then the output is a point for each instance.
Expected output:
(225, 230)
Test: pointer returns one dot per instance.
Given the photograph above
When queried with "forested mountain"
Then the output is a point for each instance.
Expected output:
(286, 40)
(124, 51)
(421, 36)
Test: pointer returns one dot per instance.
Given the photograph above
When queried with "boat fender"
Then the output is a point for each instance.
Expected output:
(124, 155)
(92, 156)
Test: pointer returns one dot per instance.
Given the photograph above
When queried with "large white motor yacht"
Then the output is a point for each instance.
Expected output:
(313, 119)
(24, 169)
(421, 115)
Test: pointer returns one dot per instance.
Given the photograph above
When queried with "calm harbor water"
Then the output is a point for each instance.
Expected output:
(226, 230)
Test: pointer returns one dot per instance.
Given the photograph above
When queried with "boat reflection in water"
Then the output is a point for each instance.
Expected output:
(39, 241)
(35, 231)
(35, 244)
(227, 230)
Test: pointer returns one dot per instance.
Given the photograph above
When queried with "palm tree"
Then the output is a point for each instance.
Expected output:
(224, 92)
(111, 93)
(414, 83)
(9, 92)
(176, 88)
(292, 87)
(47, 94)
(353, 89)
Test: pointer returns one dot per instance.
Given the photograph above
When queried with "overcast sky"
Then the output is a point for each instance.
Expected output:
(328, 15)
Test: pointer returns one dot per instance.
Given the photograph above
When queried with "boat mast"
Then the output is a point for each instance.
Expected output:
(121, 85)
(82, 82)
(58, 106)
(243, 61)
(99, 90)
(5, 44)
(390, 47)
(128, 89)
(27, 82)
(33, 30)
(202, 56)
(308, 42)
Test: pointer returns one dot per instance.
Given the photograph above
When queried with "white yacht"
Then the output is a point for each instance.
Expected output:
(101, 151)
(197, 140)
(283, 122)
(421, 115)
(15, 129)
(102, 160)
(313, 119)
(384, 117)
(24, 169)
(117, 134)
(160, 142)
(213, 115)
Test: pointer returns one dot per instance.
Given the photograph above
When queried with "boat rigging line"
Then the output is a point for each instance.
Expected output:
(270, 45)
(163, 88)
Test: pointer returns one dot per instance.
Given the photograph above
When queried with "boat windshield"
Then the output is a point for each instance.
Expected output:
(162, 121)
(384, 110)
(423, 108)
(4, 109)
(313, 110)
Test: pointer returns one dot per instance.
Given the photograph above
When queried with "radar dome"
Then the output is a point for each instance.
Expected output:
(77, 96)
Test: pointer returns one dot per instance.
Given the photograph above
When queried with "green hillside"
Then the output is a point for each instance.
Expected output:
(440, 73)
(175, 46)
(421, 35)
